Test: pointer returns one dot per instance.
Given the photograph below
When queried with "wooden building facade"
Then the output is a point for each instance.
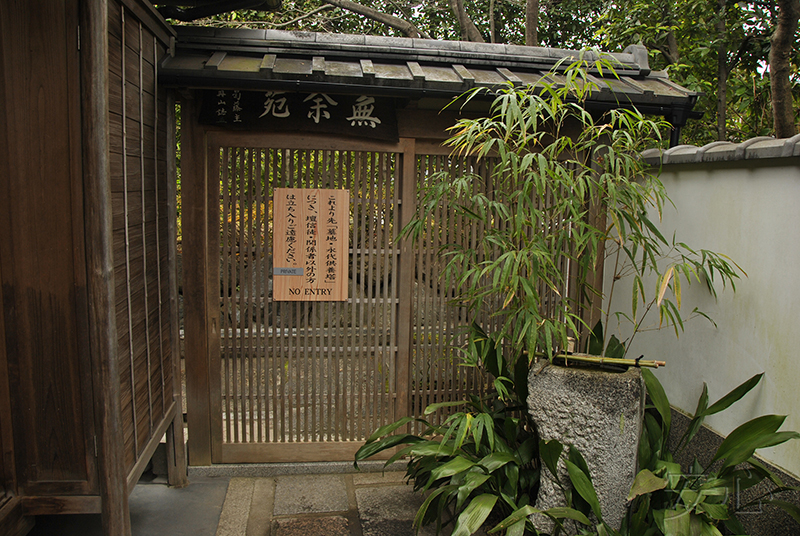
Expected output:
(271, 380)
(89, 367)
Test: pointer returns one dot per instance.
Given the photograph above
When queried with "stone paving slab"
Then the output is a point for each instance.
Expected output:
(307, 494)
(323, 526)
(356, 504)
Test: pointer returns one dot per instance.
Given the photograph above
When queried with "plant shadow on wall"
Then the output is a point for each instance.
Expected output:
(568, 192)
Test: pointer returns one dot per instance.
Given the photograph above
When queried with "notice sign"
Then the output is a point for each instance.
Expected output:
(309, 257)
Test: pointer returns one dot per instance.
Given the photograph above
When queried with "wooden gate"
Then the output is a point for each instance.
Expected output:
(310, 381)
(300, 381)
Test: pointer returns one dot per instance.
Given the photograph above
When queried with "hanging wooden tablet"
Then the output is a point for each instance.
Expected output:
(310, 230)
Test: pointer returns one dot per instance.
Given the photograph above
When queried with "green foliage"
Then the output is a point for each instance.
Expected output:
(701, 500)
(689, 38)
(481, 460)
(568, 188)
(664, 498)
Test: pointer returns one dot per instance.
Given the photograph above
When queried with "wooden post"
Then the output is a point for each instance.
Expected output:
(195, 282)
(408, 197)
(100, 269)
(176, 444)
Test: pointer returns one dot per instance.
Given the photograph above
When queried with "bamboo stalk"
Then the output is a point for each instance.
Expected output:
(599, 360)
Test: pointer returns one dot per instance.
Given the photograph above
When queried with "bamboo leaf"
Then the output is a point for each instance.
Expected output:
(665, 279)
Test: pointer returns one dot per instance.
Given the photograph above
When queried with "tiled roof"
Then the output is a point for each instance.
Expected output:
(725, 151)
(401, 67)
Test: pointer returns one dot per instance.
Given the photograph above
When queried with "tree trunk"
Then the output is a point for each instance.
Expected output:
(779, 68)
(408, 29)
(469, 32)
(722, 75)
(532, 23)
(491, 21)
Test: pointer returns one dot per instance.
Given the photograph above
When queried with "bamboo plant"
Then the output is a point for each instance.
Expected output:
(568, 189)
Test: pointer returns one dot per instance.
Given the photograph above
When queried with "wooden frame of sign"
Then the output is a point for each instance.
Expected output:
(310, 230)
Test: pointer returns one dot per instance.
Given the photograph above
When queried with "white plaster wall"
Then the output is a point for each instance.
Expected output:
(752, 214)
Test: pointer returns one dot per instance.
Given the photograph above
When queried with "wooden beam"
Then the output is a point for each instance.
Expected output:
(298, 451)
(100, 272)
(195, 284)
(149, 449)
(64, 504)
(407, 266)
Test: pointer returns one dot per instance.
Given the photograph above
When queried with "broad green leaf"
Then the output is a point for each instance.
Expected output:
(389, 428)
(697, 420)
(517, 529)
(595, 342)
(646, 482)
(659, 398)
(373, 448)
(734, 525)
(750, 433)
(790, 508)
(550, 451)
(735, 395)
(714, 511)
(675, 522)
(671, 470)
(432, 448)
(562, 512)
(474, 515)
(471, 482)
(584, 487)
(575, 456)
(518, 515)
(615, 348)
(495, 460)
(433, 408)
(420, 516)
(456, 465)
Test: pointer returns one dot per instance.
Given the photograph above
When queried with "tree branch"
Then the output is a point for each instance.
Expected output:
(408, 29)
(469, 32)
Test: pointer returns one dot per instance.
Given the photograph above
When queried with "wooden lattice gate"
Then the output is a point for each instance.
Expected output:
(310, 381)
(295, 381)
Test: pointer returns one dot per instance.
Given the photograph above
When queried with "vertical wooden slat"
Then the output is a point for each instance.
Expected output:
(162, 350)
(148, 352)
(348, 340)
(129, 311)
(249, 297)
(211, 298)
(227, 254)
(406, 266)
(176, 447)
(260, 324)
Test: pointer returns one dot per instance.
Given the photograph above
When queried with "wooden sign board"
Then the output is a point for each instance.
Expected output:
(310, 246)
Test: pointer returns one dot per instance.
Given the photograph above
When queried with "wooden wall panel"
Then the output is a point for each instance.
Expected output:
(41, 248)
(139, 174)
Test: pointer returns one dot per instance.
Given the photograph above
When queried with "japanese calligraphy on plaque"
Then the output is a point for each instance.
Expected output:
(309, 254)
(351, 115)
